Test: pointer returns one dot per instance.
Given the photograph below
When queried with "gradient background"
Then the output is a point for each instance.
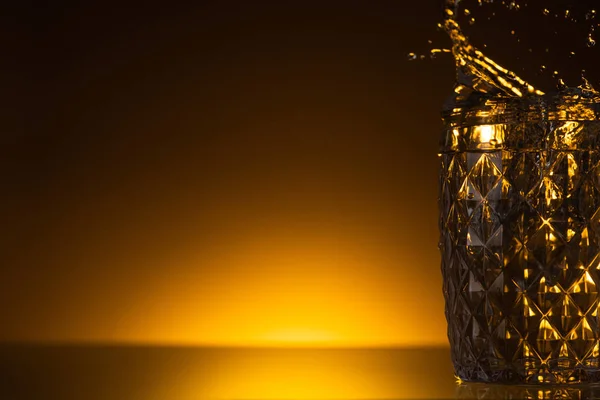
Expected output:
(255, 173)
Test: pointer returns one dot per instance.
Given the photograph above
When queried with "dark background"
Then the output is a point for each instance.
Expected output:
(221, 173)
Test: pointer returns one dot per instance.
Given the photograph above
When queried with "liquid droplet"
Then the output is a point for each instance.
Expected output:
(590, 15)
(467, 12)
(472, 21)
(591, 42)
(546, 11)
(412, 56)
(586, 85)
(435, 52)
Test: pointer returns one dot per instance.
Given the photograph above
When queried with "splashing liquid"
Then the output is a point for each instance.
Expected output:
(476, 71)
(479, 75)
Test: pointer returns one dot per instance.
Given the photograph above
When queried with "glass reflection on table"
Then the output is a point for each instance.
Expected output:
(186, 373)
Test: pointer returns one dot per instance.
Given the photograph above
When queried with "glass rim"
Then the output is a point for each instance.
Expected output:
(482, 110)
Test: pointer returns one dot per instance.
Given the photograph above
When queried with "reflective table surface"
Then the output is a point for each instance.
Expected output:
(182, 373)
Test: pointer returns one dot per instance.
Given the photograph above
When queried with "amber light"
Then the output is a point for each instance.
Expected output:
(275, 293)
(310, 374)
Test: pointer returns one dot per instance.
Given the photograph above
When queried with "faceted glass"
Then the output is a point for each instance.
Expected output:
(520, 242)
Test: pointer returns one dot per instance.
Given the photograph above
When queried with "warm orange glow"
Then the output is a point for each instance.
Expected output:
(488, 136)
(278, 291)
(197, 373)
(321, 374)
(300, 336)
(278, 295)
(486, 132)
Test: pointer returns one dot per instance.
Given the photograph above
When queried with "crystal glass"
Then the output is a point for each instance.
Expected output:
(520, 239)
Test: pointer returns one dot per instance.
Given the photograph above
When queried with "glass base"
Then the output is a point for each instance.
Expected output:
(522, 375)
(481, 391)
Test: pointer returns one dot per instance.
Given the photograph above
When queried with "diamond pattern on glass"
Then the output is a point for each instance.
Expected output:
(520, 245)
